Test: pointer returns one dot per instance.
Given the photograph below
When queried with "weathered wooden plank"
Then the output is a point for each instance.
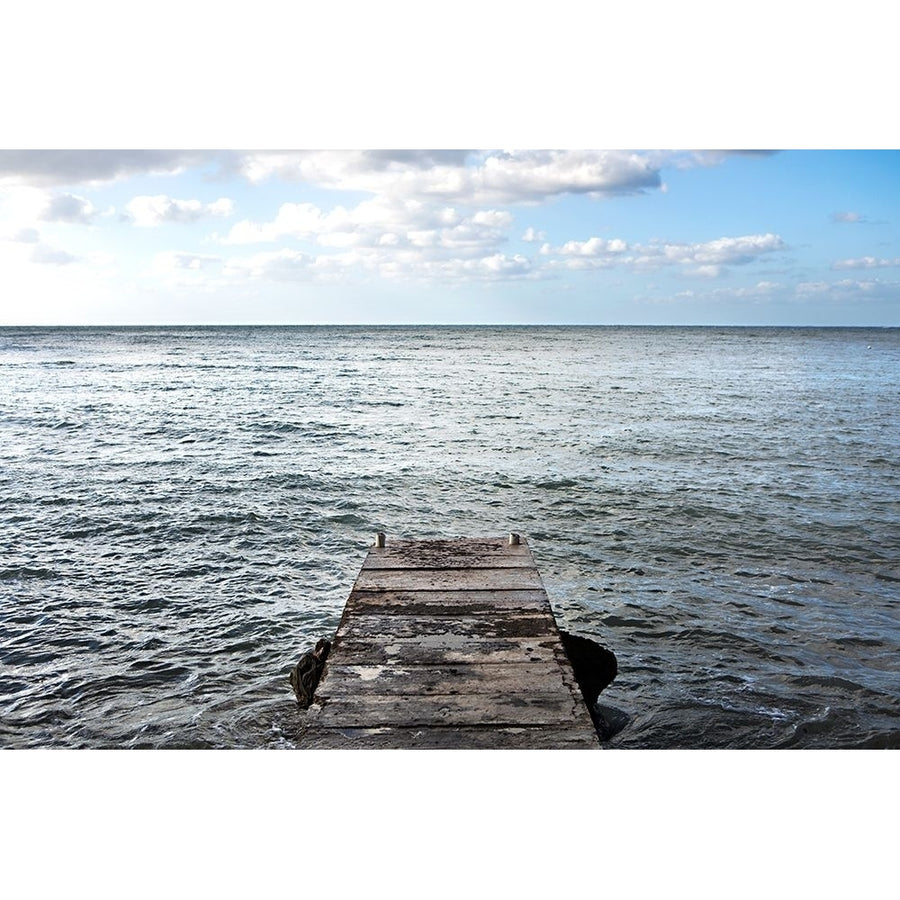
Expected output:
(498, 708)
(472, 561)
(520, 578)
(468, 678)
(388, 627)
(450, 603)
(449, 554)
(448, 644)
(451, 738)
(440, 649)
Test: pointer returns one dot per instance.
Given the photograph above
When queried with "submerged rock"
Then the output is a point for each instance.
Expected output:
(608, 720)
(306, 674)
(595, 667)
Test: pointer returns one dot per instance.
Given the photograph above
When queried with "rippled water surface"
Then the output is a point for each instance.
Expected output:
(183, 512)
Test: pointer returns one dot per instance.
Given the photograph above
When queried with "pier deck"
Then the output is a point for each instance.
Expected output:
(448, 644)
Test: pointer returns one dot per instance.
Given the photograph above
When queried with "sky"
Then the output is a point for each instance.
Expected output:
(148, 235)
(450, 236)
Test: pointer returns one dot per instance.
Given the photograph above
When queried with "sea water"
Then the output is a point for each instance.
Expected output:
(183, 512)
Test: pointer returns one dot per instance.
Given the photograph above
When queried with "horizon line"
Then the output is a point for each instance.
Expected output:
(436, 325)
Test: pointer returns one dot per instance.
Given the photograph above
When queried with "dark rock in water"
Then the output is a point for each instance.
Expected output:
(595, 667)
(608, 720)
(306, 674)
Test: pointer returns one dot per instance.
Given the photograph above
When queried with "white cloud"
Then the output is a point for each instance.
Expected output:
(866, 262)
(146, 211)
(62, 167)
(408, 262)
(512, 176)
(432, 214)
(848, 289)
(381, 223)
(493, 218)
(508, 266)
(341, 168)
(297, 220)
(526, 176)
(69, 208)
(725, 251)
(707, 271)
(537, 175)
(848, 218)
(594, 246)
(706, 260)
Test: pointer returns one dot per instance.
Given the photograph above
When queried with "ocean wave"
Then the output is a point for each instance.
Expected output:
(182, 510)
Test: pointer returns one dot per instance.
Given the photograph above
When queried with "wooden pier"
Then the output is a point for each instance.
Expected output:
(448, 644)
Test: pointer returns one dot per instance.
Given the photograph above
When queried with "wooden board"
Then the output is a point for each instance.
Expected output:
(409, 680)
(448, 644)
(472, 554)
(535, 737)
(457, 578)
(436, 603)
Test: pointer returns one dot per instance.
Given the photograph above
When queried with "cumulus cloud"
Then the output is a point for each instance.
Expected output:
(593, 247)
(495, 266)
(866, 262)
(337, 168)
(156, 210)
(463, 177)
(537, 175)
(407, 263)
(706, 260)
(381, 222)
(293, 219)
(70, 208)
(429, 213)
(64, 167)
(724, 251)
